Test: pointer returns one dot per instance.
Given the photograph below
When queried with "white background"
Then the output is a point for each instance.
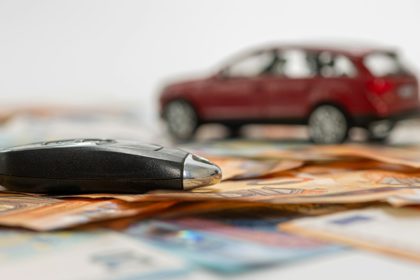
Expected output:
(81, 51)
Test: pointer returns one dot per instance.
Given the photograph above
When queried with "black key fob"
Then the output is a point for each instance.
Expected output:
(102, 166)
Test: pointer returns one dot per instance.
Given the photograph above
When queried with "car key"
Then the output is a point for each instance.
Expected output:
(102, 166)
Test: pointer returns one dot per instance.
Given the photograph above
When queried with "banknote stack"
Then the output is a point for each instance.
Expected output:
(277, 203)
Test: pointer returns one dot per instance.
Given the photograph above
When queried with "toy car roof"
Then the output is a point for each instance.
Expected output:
(353, 50)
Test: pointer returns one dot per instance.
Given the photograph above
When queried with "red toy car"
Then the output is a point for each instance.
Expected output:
(329, 89)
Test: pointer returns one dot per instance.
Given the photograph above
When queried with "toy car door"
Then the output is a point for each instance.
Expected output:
(286, 89)
(234, 93)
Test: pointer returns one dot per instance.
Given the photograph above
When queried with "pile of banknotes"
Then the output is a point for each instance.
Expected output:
(277, 204)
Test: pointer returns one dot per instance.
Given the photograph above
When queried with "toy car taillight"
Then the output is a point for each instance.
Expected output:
(379, 86)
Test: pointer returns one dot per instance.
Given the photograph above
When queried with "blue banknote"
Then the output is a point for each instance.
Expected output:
(224, 248)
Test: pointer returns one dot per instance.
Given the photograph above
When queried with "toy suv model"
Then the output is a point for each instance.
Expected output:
(329, 89)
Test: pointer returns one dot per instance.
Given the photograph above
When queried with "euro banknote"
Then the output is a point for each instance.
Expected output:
(237, 169)
(408, 155)
(298, 187)
(255, 210)
(98, 254)
(224, 248)
(403, 155)
(393, 231)
(52, 214)
(15, 202)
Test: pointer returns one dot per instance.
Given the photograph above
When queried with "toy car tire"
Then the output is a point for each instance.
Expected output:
(181, 120)
(328, 125)
(380, 132)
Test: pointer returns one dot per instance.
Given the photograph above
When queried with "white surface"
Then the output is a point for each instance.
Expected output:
(90, 51)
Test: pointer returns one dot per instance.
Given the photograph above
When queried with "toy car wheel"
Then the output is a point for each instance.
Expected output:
(380, 131)
(328, 125)
(181, 120)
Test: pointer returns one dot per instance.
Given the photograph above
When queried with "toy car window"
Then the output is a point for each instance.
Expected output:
(344, 67)
(331, 65)
(295, 64)
(382, 64)
(250, 66)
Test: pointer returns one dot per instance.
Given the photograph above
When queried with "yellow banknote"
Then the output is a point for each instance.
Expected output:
(72, 212)
(241, 209)
(294, 187)
(236, 168)
(407, 156)
(15, 203)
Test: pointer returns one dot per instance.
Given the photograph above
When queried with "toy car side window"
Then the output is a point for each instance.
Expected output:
(344, 67)
(250, 66)
(334, 65)
(383, 64)
(294, 64)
